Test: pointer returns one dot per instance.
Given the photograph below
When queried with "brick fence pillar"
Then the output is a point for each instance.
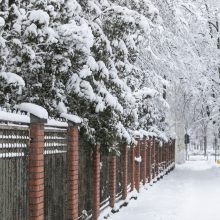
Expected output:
(174, 152)
(112, 180)
(137, 167)
(166, 156)
(156, 159)
(159, 162)
(132, 167)
(124, 171)
(170, 153)
(153, 158)
(163, 157)
(36, 169)
(73, 171)
(144, 158)
(96, 183)
(149, 165)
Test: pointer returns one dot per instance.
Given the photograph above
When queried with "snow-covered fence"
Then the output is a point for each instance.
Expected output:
(118, 176)
(13, 171)
(47, 169)
(85, 178)
(55, 173)
(104, 181)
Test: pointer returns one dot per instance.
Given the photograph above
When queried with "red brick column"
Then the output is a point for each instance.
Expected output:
(174, 152)
(112, 180)
(159, 161)
(137, 167)
(170, 153)
(144, 161)
(149, 165)
(36, 169)
(153, 158)
(132, 167)
(124, 171)
(96, 183)
(73, 171)
(163, 156)
(167, 154)
(156, 159)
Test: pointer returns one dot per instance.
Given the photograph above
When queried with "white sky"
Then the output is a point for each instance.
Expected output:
(215, 3)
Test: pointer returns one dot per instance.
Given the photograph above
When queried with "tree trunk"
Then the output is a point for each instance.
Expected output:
(205, 145)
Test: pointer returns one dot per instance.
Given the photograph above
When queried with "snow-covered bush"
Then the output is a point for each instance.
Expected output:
(114, 63)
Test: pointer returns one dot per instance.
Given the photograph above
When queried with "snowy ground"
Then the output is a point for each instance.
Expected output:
(190, 192)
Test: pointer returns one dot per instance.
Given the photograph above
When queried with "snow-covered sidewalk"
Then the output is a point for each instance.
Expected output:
(190, 192)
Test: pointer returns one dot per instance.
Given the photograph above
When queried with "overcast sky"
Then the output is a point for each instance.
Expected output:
(216, 3)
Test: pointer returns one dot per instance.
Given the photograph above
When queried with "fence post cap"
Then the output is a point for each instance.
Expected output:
(37, 113)
(72, 119)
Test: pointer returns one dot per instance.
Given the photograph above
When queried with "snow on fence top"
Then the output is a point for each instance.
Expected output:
(72, 118)
(14, 117)
(56, 123)
(34, 109)
(25, 119)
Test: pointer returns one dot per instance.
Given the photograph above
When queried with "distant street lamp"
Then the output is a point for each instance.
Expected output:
(186, 141)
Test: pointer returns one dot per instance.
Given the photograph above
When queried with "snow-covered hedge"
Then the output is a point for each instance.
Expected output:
(107, 62)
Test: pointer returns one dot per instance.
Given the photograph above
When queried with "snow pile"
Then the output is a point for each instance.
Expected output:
(72, 118)
(13, 117)
(55, 123)
(34, 109)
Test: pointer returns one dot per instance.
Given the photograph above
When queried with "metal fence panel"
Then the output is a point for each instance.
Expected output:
(129, 167)
(104, 178)
(13, 172)
(56, 183)
(85, 178)
(118, 176)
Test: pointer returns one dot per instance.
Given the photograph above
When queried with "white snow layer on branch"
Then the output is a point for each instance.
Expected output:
(130, 17)
(144, 134)
(39, 16)
(159, 133)
(13, 78)
(2, 22)
(34, 109)
(78, 35)
(145, 92)
(123, 133)
(61, 107)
